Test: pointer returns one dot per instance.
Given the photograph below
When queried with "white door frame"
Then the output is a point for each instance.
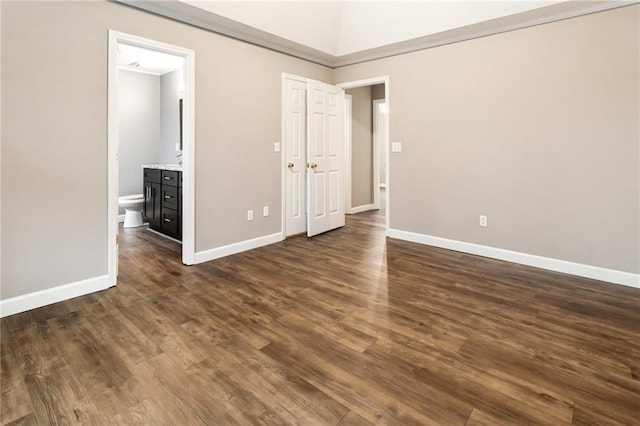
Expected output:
(376, 151)
(361, 83)
(113, 142)
(348, 152)
(375, 184)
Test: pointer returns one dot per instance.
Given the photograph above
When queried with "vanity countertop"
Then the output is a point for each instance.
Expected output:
(174, 167)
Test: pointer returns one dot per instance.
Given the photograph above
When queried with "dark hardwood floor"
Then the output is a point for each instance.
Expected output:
(346, 328)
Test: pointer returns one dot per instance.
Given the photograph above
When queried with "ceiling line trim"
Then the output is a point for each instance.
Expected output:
(200, 18)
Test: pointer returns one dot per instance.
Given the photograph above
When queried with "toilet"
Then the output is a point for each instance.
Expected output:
(132, 205)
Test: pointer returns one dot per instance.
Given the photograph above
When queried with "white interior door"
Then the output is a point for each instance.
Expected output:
(295, 140)
(325, 158)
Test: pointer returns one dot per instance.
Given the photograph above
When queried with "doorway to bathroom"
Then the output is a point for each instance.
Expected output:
(151, 100)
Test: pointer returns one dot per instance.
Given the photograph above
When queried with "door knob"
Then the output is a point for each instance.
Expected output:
(290, 165)
(312, 165)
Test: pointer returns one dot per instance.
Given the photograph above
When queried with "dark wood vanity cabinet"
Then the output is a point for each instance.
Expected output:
(151, 210)
(163, 201)
(171, 203)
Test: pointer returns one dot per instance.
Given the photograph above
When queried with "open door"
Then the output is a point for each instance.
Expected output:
(295, 155)
(325, 158)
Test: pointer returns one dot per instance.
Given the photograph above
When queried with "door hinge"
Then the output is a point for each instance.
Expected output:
(117, 239)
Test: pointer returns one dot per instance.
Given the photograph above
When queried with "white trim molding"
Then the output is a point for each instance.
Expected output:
(37, 299)
(556, 265)
(200, 17)
(360, 209)
(348, 150)
(376, 149)
(228, 250)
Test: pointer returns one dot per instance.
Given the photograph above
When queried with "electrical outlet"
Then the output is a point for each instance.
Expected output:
(265, 211)
(483, 221)
(396, 146)
(249, 215)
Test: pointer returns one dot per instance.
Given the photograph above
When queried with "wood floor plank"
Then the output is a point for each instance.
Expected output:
(181, 401)
(107, 380)
(480, 418)
(57, 392)
(353, 419)
(292, 399)
(28, 420)
(334, 330)
(344, 371)
(561, 380)
(146, 412)
(346, 328)
(15, 395)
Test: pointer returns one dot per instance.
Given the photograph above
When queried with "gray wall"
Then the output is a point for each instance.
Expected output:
(377, 91)
(139, 102)
(536, 128)
(361, 146)
(169, 117)
(54, 136)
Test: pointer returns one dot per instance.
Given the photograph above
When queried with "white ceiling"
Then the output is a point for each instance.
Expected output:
(344, 27)
(337, 33)
(134, 58)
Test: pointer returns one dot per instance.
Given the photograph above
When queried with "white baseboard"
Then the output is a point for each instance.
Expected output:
(160, 234)
(557, 265)
(360, 209)
(218, 252)
(57, 294)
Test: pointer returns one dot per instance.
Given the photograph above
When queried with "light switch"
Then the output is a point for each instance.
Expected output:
(396, 146)
(276, 147)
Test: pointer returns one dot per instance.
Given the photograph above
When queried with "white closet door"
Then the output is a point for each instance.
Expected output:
(325, 158)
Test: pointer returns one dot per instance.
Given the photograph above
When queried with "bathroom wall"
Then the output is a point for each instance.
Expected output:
(139, 108)
(170, 85)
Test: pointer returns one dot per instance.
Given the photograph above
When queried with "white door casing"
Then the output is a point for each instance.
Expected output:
(380, 144)
(348, 153)
(325, 158)
(295, 140)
